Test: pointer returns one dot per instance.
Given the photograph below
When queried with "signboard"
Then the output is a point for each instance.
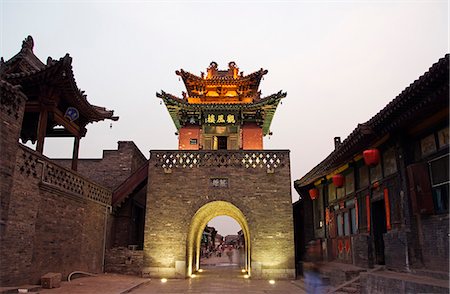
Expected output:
(220, 118)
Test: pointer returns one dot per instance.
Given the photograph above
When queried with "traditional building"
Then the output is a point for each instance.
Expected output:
(381, 197)
(220, 168)
(55, 106)
(222, 110)
(52, 219)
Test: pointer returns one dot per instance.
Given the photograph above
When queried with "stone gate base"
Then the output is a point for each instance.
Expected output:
(179, 272)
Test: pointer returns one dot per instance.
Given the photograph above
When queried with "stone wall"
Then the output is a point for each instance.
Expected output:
(395, 250)
(392, 282)
(257, 183)
(124, 261)
(362, 250)
(57, 222)
(435, 231)
(113, 168)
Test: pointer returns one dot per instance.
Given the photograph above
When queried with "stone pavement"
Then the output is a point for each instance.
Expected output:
(213, 279)
(102, 283)
(218, 279)
(218, 276)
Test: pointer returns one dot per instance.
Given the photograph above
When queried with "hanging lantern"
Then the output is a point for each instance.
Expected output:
(371, 157)
(314, 193)
(338, 180)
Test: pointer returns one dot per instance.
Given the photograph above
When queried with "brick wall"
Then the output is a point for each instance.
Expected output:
(12, 108)
(56, 222)
(435, 230)
(178, 189)
(124, 261)
(362, 250)
(395, 250)
(125, 228)
(113, 168)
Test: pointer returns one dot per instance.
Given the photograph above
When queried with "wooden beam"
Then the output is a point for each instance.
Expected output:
(76, 147)
(42, 129)
(32, 106)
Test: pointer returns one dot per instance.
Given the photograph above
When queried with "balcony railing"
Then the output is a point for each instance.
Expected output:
(64, 180)
(250, 159)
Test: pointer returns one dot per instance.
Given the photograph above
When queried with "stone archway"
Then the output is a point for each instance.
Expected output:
(188, 188)
(206, 213)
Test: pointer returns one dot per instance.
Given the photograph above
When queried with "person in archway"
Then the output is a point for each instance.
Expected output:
(229, 253)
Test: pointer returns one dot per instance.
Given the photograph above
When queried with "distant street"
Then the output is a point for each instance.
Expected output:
(237, 260)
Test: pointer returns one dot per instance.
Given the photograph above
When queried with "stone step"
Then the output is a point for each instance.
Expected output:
(433, 274)
(349, 289)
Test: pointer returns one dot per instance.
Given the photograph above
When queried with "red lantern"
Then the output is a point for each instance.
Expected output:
(371, 157)
(338, 180)
(314, 193)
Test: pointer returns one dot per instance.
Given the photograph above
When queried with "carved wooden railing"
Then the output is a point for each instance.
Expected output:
(251, 159)
(52, 175)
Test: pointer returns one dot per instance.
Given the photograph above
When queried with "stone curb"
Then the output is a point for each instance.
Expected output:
(135, 286)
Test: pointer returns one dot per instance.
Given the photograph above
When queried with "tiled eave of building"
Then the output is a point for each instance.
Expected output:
(430, 91)
(59, 74)
(252, 80)
(189, 77)
(267, 104)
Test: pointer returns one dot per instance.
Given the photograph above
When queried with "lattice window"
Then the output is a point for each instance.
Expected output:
(190, 159)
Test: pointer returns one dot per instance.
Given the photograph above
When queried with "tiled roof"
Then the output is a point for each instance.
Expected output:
(410, 104)
(218, 78)
(58, 72)
(267, 105)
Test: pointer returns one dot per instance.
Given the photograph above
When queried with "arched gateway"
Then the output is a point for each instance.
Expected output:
(219, 169)
(206, 213)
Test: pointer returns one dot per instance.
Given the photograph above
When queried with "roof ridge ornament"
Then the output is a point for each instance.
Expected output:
(28, 43)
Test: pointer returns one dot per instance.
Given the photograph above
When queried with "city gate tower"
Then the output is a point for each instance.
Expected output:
(220, 168)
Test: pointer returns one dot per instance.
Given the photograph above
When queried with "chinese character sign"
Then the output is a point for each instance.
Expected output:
(220, 118)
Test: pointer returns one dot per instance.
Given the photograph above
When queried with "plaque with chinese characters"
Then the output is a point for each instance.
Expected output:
(219, 182)
(220, 118)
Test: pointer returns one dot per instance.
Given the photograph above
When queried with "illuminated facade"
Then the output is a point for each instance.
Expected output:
(222, 110)
(219, 169)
